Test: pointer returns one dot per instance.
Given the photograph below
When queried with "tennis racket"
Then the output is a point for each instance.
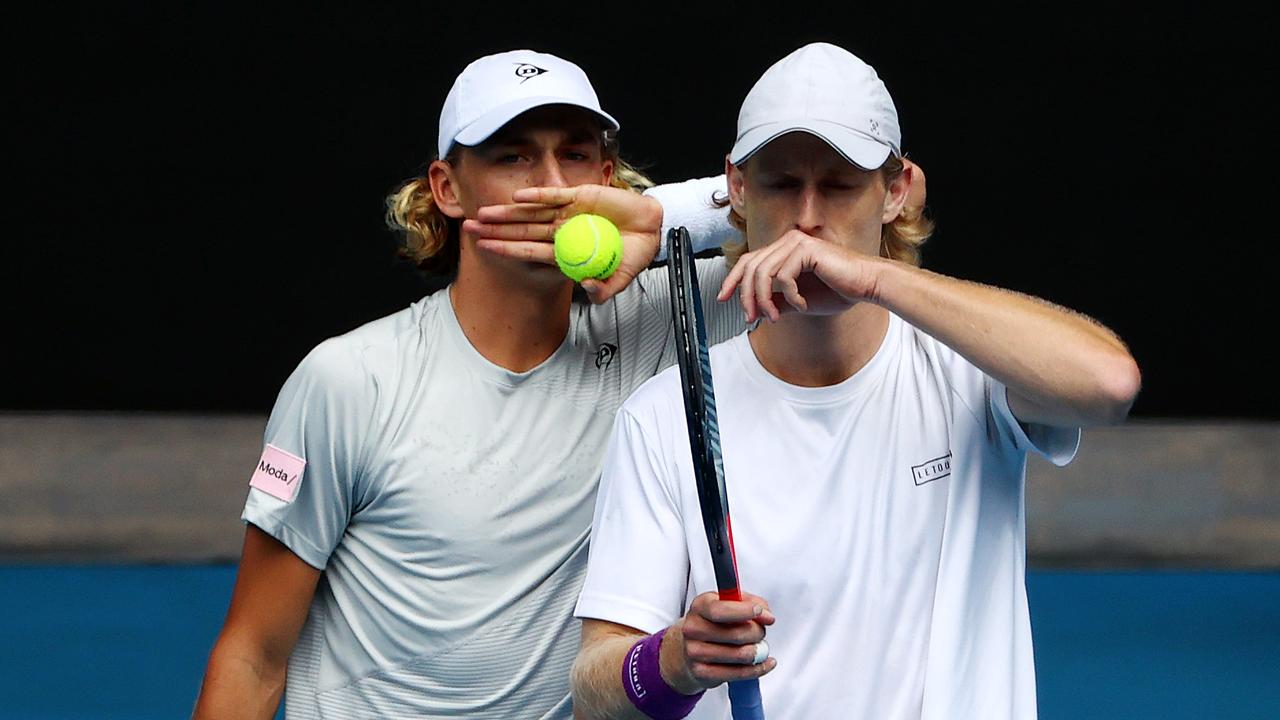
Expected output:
(704, 441)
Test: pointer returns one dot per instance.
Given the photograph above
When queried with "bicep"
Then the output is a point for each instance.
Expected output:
(638, 567)
(1027, 411)
(272, 595)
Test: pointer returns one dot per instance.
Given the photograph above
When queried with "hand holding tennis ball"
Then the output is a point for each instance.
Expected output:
(588, 246)
(525, 230)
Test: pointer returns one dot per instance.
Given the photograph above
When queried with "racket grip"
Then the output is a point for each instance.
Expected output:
(744, 700)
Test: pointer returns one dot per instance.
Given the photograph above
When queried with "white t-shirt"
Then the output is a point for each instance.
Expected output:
(448, 502)
(882, 518)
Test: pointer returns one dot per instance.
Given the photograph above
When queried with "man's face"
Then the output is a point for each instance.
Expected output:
(800, 182)
(552, 146)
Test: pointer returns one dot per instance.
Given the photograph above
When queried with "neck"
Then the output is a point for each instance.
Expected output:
(820, 350)
(512, 314)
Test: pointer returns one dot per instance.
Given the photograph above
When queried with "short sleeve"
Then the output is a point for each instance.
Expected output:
(1058, 445)
(639, 564)
(320, 417)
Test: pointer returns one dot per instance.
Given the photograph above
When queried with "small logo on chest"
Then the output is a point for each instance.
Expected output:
(604, 355)
(934, 469)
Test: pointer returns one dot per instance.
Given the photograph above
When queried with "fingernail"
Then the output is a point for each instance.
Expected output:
(757, 609)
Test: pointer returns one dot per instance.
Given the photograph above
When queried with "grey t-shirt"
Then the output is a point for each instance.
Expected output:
(449, 502)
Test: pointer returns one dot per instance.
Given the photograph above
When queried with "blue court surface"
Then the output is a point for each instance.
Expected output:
(131, 642)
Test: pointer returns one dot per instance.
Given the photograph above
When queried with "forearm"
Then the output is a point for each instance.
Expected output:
(240, 684)
(690, 204)
(597, 681)
(1061, 367)
(598, 693)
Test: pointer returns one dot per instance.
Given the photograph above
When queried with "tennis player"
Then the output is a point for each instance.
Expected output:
(874, 428)
(418, 522)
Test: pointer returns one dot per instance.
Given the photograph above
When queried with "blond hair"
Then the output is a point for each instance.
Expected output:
(899, 240)
(430, 238)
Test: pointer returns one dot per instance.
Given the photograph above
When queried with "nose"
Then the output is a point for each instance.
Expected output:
(549, 173)
(809, 216)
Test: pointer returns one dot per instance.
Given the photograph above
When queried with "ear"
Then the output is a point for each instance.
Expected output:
(915, 187)
(896, 197)
(607, 173)
(444, 189)
(736, 180)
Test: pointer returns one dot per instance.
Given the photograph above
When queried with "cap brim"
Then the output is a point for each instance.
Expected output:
(489, 123)
(858, 148)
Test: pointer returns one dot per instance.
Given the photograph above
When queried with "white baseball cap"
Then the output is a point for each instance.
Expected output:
(493, 90)
(826, 91)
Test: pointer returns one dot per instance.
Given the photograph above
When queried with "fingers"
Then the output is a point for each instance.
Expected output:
(709, 675)
(734, 623)
(516, 230)
(704, 657)
(786, 275)
(630, 211)
(776, 272)
(750, 607)
(762, 652)
(725, 640)
(756, 276)
(548, 195)
(731, 281)
(541, 252)
(538, 232)
(519, 212)
(602, 290)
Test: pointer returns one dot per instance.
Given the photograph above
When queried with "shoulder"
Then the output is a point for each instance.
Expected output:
(652, 282)
(372, 350)
(656, 397)
(715, 266)
(927, 364)
(928, 354)
(659, 401)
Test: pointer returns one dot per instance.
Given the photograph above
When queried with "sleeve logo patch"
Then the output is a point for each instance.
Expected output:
(278, 473)
(934, 469)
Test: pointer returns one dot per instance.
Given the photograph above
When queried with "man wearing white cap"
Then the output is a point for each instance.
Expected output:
(874, 438)
(418, 522)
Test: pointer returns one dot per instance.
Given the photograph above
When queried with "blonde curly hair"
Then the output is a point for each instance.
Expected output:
(430, 238)
(899, 240)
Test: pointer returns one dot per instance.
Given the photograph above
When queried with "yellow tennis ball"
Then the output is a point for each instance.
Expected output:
(588, 246)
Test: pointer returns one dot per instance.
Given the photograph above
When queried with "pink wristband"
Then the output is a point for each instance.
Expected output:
(645, 687)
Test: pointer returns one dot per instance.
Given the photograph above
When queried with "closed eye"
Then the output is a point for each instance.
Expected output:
(783, 183)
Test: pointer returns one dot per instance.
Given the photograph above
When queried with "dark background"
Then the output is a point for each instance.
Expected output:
(196, 192)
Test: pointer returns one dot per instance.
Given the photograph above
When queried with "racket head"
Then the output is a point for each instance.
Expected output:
(698, 390)
(697, 387)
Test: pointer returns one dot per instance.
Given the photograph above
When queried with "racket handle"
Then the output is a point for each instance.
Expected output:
(744, 695)
(744, 700)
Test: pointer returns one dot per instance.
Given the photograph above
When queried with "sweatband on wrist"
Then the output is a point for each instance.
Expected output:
(642, 680)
